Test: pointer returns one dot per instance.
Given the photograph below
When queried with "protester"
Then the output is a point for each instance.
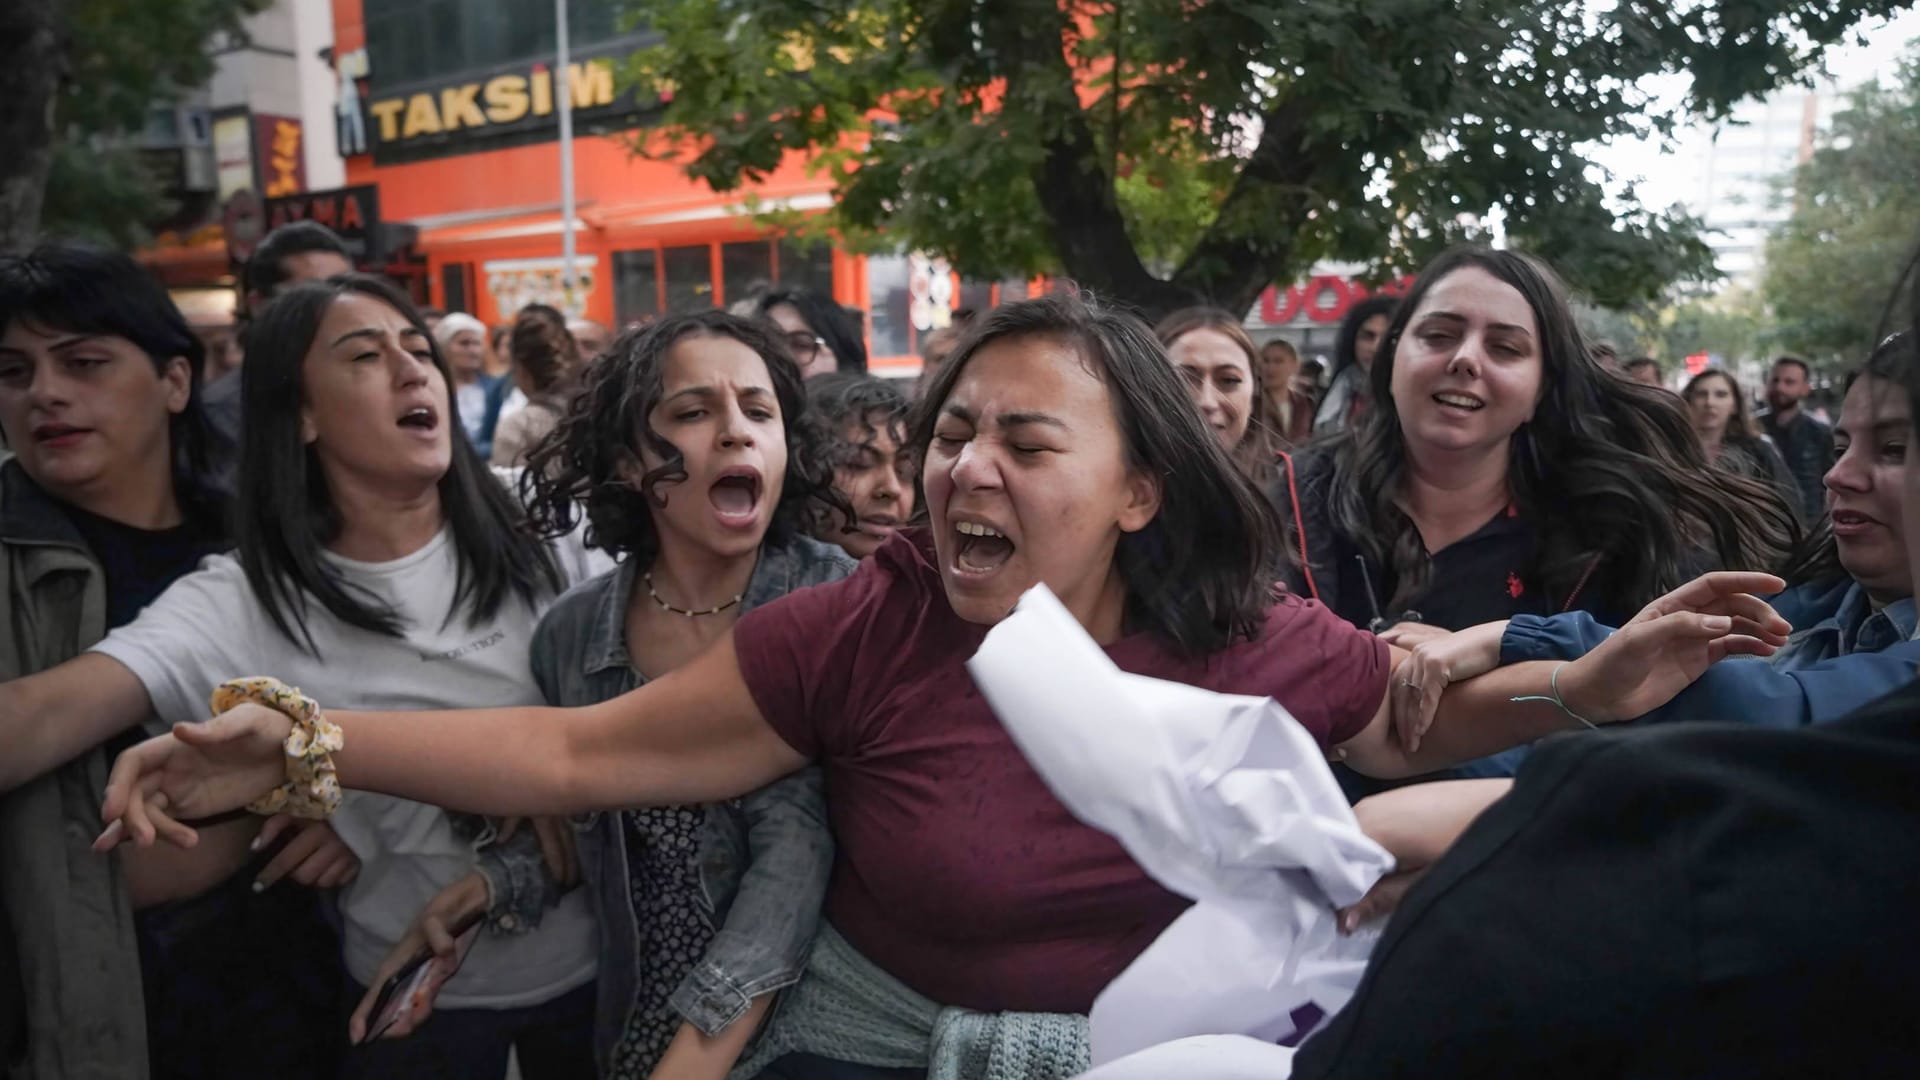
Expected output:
(590, 336)
(1217, 360)
(872, 470)
(1059, 447)
(819, 333)
(1731, 439)
(105, 502)
(1803, 440)
(378, 562)
(1290, 406)
(545, 361)
(1350, 394)
(1646, 371)
(934, 350)
(463, 341)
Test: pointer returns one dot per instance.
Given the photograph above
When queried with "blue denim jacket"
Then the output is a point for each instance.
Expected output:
(764, 859)
(1844, 655)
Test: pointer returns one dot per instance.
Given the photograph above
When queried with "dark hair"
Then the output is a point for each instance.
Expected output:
(1639, 362)
(543, 347)
(87, 290)
(1609, 471)
(1897, 361)
(1201, 574)
(265, 272)
(286, 515)
(585, 461)
(1742, 431)
(1346, 347)
(1805, 371)
(1283, 345)
(1257, 451)
(1604, 353)
(843, 399)
(840, 330)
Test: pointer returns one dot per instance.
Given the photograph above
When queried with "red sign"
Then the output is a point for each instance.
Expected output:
(1697, 362)
(1324, 298)
(278, 149)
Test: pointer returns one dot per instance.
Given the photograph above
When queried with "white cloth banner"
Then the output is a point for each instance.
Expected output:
(1221, 798)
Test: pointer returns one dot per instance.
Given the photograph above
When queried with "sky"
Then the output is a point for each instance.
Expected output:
(1664, 180)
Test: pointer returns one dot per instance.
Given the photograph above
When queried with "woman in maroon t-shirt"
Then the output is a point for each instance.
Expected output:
(1059, 447)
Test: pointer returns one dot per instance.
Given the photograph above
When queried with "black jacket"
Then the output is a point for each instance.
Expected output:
(1698, 900)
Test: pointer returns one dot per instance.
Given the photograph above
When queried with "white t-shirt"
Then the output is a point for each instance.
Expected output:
(208, 627)
(471, 401)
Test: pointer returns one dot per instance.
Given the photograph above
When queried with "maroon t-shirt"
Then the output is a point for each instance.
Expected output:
(957, 870)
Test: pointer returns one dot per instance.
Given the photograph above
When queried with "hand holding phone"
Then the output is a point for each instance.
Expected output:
(411, 990)
(423, 960)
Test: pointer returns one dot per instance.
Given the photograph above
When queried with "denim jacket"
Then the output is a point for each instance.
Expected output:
(1844, 656)
(764, 859)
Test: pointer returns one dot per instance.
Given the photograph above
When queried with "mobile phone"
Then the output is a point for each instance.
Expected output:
(420, 977)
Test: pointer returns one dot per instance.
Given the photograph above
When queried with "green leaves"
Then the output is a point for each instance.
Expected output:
(1165, 151)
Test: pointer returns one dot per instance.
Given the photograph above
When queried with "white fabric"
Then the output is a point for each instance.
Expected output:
(1223, 799)
(470, 401)
(1203, 1057)
(208, 628)
(512, 403)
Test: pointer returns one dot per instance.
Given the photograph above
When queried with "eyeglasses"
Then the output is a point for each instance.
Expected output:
(805, 346)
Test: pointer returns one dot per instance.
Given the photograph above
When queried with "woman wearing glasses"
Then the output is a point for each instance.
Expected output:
(823, 336)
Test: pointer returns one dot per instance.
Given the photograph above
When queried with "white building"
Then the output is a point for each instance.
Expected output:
(1735, 166)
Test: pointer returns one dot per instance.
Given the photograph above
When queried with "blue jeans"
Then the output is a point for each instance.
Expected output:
(554, 1041)
(812, 1067)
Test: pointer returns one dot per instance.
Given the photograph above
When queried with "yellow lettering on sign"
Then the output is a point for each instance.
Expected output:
(542, 92)
(422, 119)
(458, 109)
(284, 160)
(506, 98)
(388, 113)
(591, 83)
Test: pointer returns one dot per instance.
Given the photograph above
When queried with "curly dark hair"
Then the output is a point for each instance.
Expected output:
(1608, 468)
(579, 465)
(844, 398)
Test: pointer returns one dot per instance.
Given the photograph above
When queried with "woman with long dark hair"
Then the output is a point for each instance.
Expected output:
(820, 334)
(379, 561)
(1059, 447)
(1729, 436)
(1217, 359)
(1350, 393)
(872, 467)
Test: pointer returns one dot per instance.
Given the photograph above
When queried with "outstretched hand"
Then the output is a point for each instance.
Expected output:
(1672, 642)
(196, 771)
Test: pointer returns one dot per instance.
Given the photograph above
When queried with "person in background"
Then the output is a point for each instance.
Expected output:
(822, 336)
(296, 252)
(104, 504)
(545, 360)
(1290, 406)
(1731, 439)
(463, 341)
(1214, 356)
(1606, 354)
(432, 316)
(1313, 376)
(934, 350)
(1645, 370)
(866, 417)
(590, 336)
(499, 353)
(1348, 397)
(1804, 441)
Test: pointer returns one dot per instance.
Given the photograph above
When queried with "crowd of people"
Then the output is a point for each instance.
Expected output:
(623, 675)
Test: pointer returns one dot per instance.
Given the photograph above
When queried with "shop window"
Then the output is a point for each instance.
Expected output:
(454, 289)
(409, 41)
(890, 305)
(976, 296)
(689, 274)
(636, 287)
(746, 271)
(805, 266)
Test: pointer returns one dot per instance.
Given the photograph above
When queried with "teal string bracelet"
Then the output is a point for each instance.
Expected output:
(1553, 683)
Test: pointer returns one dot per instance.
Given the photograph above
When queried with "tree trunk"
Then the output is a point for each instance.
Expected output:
(32, 69)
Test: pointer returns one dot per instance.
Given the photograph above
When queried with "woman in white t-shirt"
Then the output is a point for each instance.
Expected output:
(380, 563)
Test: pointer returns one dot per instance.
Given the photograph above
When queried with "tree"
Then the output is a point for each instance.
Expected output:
(1167, 152)
(78, 77)
(1833, 270)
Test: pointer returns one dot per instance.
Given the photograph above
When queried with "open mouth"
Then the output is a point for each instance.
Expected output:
(1851, 522)
(879, 524)
(736, 496)
(420, 419)
(1463, 402)
(981, 548)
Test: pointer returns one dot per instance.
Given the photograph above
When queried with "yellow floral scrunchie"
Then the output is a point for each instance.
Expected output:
(312, 790)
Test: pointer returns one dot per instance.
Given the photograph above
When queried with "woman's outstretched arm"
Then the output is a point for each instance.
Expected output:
(692, 736)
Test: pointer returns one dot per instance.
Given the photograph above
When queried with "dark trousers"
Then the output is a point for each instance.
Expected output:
(554, 1041)
(813, 1067)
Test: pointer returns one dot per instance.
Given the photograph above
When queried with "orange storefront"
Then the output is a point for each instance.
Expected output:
(466, 152)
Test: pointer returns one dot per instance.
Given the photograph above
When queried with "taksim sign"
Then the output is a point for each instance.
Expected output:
(1322, 298)
(495, 104)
